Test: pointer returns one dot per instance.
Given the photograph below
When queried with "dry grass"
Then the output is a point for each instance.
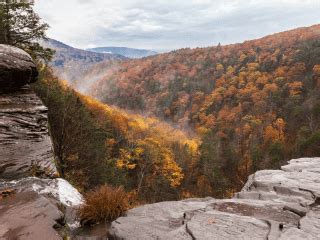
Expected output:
(105, 204)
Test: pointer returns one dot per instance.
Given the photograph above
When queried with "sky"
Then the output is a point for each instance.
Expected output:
(171, 24)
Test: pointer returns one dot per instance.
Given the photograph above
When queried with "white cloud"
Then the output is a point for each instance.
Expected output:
(171, 23)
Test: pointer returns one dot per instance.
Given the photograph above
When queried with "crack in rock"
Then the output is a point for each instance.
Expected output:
(274, 204)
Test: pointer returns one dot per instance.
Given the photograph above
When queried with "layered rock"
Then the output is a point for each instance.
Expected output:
(274, 204)
(25, 145)
(33, 205)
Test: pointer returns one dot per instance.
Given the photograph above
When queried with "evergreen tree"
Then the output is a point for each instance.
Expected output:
(21, 27)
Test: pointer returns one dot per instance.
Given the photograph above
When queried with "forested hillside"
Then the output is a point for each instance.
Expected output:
(95, 144)
(254, 105)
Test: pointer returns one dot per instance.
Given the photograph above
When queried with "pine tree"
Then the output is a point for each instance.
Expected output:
(21, 27)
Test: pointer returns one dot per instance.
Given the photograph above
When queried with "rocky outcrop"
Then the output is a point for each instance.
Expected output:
(25, 145)
(274, 204)
(33, 205)
(16, 68)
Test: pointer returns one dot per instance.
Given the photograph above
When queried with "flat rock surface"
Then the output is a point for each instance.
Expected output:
(25, 146)
(34, 208)
(274, 204)
(16, 68)
(28, 215)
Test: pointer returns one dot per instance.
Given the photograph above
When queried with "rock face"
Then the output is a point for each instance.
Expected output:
(30, 207)
(25, 146)
(16, 68)
(274, 204)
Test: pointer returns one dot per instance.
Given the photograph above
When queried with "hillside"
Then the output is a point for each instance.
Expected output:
(70, 63)
(255, 104)
(96, 144)
(127, 52)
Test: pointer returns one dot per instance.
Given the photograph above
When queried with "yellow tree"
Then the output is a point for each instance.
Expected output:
(275, 132)
(150, 160)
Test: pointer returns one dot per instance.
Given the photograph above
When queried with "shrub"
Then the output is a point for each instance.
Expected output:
(104, 204)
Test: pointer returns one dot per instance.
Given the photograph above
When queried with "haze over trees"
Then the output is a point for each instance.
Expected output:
(71, 63)
(96, 144)
(216, 114)
(254, 105)
(247, 106)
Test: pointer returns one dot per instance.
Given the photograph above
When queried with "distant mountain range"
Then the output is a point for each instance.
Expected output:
(70, 63)
(127, 52)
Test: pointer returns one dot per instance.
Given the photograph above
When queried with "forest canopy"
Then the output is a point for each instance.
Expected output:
(254, 105)
(96, 144)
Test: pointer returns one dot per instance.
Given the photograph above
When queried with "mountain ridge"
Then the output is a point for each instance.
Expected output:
(125, 51)
(70, 63)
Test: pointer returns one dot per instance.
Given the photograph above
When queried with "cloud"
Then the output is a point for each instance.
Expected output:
(168, 24)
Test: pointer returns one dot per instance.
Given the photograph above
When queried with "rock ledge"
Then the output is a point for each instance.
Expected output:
(274, 204)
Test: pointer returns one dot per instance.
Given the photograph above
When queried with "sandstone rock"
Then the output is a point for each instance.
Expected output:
(95, 232)
(274, 204)
(37, 208)
(224, 226)
(16, 68)
(25, 146)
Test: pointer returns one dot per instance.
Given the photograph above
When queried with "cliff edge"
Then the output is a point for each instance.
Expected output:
(34, 204)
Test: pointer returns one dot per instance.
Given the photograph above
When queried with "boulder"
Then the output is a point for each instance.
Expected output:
(274, 204)
(16, 68)
(37, 208)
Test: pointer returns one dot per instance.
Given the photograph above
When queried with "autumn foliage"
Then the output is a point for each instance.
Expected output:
(96, 144)
(254, 105)
(206, 118)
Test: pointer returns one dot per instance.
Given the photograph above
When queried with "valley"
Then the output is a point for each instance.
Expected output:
(213, 142)
(251, 106)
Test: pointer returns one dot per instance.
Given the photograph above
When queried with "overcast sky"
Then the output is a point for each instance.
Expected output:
(171, 24)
